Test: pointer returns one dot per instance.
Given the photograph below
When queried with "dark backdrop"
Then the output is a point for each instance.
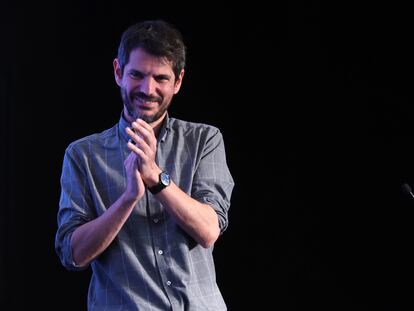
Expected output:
(313, 101)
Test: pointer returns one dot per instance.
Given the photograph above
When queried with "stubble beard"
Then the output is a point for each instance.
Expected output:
(128, 104)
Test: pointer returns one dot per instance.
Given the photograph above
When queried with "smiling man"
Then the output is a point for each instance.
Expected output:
(143, 203)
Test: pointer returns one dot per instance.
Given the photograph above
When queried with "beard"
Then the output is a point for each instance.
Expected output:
(135, 114)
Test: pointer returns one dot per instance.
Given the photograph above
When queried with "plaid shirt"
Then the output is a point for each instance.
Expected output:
(152, 264)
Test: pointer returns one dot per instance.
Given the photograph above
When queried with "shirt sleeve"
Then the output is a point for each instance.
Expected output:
(74, 206)
(213, 183)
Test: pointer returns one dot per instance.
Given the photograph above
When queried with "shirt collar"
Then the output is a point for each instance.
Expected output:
(163, 132)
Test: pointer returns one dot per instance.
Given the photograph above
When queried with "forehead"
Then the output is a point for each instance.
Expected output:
(139, 59)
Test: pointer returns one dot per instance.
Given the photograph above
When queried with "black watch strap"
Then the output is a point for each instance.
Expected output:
(163, 182)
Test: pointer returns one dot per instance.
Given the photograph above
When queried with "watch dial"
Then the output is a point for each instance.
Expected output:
(165, 179)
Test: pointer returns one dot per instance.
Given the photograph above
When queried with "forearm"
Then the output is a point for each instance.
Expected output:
(92, 238)
(199, 220)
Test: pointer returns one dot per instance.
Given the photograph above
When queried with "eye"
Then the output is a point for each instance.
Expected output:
(162, 78)
(135, 75)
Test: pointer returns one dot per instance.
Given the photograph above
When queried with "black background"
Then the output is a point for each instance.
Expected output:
(313, 101)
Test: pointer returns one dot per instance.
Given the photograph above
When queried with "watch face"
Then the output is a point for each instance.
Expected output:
(165, 178)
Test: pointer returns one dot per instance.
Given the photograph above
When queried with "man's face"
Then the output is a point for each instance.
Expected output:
(147, 86)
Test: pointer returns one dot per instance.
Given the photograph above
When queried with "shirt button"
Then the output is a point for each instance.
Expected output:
(168, 283)
(155, 220)
(160, 252)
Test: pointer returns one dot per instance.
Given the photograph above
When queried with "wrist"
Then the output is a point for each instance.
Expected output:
(163, 182)
(154, 179)
(128, 199)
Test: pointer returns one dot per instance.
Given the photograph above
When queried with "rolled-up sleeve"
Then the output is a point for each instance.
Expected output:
(213, 183)
(74, 206)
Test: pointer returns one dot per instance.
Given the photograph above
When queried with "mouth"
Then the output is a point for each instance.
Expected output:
(146, 103)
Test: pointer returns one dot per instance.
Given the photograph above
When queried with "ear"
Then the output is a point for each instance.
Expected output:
(177, 83)
(117, 71)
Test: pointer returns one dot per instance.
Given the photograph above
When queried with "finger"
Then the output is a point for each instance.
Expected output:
(135, 149)
(145, 131)
(145, 125)
(140, 144)
(142, 157)
(134, 137)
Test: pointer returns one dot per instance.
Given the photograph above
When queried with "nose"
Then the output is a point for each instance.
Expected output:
(148, 86)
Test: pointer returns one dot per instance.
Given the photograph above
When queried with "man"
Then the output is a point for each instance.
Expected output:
(143, 202)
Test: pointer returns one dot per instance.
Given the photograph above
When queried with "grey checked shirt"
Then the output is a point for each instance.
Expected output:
(152, 264)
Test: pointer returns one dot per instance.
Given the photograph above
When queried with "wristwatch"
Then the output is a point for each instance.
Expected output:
(164, 181)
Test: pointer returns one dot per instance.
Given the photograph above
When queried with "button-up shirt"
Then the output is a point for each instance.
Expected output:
(152, 264)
